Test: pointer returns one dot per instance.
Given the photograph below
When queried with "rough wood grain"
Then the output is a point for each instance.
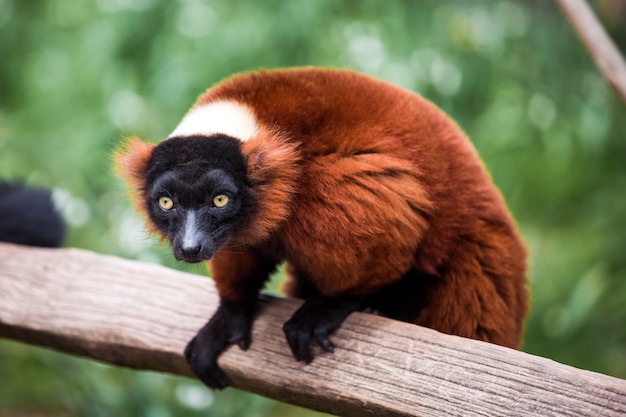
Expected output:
(141, 315)
(602, 49)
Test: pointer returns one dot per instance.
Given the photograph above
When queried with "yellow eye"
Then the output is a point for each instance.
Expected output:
(166, 203)
(220, 201)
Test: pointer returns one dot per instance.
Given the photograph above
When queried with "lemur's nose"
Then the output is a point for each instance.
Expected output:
(189, 252)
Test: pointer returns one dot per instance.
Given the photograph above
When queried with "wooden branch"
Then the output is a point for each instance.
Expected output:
(141, 315)
(602, 49)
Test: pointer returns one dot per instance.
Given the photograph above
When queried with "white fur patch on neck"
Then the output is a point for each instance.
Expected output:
(225, 117)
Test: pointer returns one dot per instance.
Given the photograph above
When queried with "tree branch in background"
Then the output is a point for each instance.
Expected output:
(602, 49)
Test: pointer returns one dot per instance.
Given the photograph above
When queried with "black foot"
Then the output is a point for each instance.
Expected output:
(230, 324)
(317, 318)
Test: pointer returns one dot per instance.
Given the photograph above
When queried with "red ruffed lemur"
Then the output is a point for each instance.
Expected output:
(374, 198)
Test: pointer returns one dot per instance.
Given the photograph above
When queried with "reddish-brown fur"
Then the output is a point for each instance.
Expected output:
(358, 181)
(131, 160)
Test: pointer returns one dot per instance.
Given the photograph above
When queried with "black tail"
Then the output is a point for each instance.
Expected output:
(28, 216)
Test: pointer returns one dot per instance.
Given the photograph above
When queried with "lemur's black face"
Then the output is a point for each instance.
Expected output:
(196, 193)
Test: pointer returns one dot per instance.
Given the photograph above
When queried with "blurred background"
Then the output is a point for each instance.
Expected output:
(77, 76)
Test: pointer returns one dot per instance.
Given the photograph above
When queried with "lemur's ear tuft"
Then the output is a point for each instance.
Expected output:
(131, 161)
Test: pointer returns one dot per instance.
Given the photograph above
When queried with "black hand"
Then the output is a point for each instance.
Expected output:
(317, 317)
(230, 324)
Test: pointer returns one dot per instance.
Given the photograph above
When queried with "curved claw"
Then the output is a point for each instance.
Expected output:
(321, 335)
(317, 318)
(227, 326)
(204, 365)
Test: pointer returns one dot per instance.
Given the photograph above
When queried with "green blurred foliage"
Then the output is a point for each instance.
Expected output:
(76, 76)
